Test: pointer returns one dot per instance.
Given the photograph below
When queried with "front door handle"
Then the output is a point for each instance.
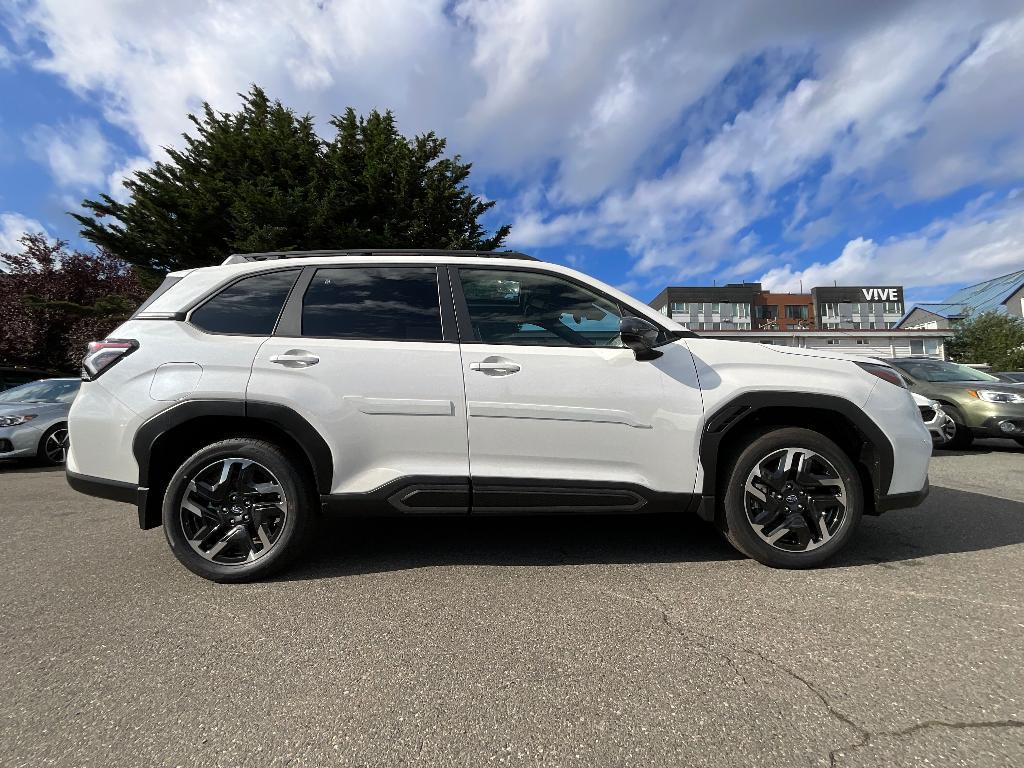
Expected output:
(295, 358)
(495, 367)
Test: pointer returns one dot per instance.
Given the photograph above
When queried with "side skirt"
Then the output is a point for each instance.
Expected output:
(504, 496)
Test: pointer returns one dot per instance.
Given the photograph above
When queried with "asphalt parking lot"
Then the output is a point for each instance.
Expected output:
(566, 642)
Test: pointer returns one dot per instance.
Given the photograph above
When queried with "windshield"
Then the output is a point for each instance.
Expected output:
(44, 391)
(937, 370)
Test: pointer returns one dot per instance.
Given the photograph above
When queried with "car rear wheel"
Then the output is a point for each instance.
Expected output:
(793, 500)
(53, 446)
(238, 510)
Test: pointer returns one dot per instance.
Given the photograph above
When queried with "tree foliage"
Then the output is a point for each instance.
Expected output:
(991, 337)
(55, 301)
(261, 179)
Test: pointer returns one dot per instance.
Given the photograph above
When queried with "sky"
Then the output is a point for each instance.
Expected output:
(648, 143)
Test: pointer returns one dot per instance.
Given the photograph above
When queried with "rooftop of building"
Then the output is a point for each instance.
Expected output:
(987, 296)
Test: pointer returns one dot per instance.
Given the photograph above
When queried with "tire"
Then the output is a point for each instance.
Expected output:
(963, 437)
(53, 446)
(238, 510)
(828, 489)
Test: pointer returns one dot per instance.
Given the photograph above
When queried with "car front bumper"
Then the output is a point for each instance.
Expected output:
(19, 442)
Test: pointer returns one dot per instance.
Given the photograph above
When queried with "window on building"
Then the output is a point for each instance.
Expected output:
(862, 342)
(796, 311)
(533, 308)
(743, 326)
(767, 312)
(374, 303)
(248, 307)
(857, 308)
(917, 346)
(742, 310)
(830, 309)
(663, 310)
(716, 308)
(680, 308)
(892, 308)
(856, 326)
(931, 346)
(712, 326)
(891, 324)
(833, 342)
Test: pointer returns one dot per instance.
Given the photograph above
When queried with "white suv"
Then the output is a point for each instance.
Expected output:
(243, 400)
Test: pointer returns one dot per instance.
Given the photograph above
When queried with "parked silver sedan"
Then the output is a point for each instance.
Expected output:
(34, 420)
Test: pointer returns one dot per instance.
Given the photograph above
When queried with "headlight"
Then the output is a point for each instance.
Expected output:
(14, 421)
(991, 396)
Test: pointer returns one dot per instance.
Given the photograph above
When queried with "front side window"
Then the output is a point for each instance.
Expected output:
(249, 307)
(532, 308)
(373, 303)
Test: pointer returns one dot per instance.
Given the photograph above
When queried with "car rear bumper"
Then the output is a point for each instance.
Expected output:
(902, 500)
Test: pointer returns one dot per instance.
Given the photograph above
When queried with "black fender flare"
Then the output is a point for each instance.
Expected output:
(280, 416)
(878, 456)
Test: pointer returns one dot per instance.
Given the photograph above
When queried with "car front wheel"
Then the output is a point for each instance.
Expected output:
(793, 500)
(237, 510)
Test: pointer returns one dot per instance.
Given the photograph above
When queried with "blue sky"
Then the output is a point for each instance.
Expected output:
(646, 143)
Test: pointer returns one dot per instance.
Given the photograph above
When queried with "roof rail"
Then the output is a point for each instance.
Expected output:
(238, 258)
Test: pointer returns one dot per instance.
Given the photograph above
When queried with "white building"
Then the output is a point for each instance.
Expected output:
(869, 343)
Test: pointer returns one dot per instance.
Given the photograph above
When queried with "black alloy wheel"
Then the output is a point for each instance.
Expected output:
(238, 510)
(793, 499)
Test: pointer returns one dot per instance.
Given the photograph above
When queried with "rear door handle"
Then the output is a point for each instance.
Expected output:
(493, 367)
(295, 359)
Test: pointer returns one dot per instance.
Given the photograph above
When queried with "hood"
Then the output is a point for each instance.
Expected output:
(961, 386)
(41, 409)
(825, 354)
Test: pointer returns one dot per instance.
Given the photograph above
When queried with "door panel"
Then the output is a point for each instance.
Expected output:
(386, 409)
(584, 414)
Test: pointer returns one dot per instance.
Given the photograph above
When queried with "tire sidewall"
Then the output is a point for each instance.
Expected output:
(41, 450)
(963, 436)
(739, 529)
(296, 523)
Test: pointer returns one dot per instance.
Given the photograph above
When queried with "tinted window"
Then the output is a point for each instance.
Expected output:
(510, 307)
(250, 306)
(375, 303)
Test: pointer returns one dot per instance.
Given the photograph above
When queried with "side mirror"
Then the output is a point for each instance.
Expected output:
(640, 336)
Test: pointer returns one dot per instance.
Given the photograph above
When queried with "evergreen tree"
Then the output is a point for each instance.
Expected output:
(261, 179)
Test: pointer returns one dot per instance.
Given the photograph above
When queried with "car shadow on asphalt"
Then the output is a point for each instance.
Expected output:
(993, 445)
(26, 466)
(949, 521)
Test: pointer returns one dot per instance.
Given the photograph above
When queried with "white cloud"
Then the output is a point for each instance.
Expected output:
(76, 153)
(12, 227)
(117, 177)
(967, 248)
(639, 122)
(6, 58)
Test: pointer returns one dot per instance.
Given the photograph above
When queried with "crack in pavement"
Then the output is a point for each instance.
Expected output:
(864, 736)
(869, 736)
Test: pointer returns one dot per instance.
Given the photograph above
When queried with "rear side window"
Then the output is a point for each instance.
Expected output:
(166, 285)
(373, 303)
(248, 307)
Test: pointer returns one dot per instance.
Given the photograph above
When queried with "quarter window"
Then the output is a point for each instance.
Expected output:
(373, 303)
(531, 308)
(247, 307)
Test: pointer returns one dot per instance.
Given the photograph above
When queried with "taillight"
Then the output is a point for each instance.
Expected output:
(885, 373)
(103, 354)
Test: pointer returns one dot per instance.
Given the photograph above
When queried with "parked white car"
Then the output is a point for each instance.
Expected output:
(939, 423)
(243, 399)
